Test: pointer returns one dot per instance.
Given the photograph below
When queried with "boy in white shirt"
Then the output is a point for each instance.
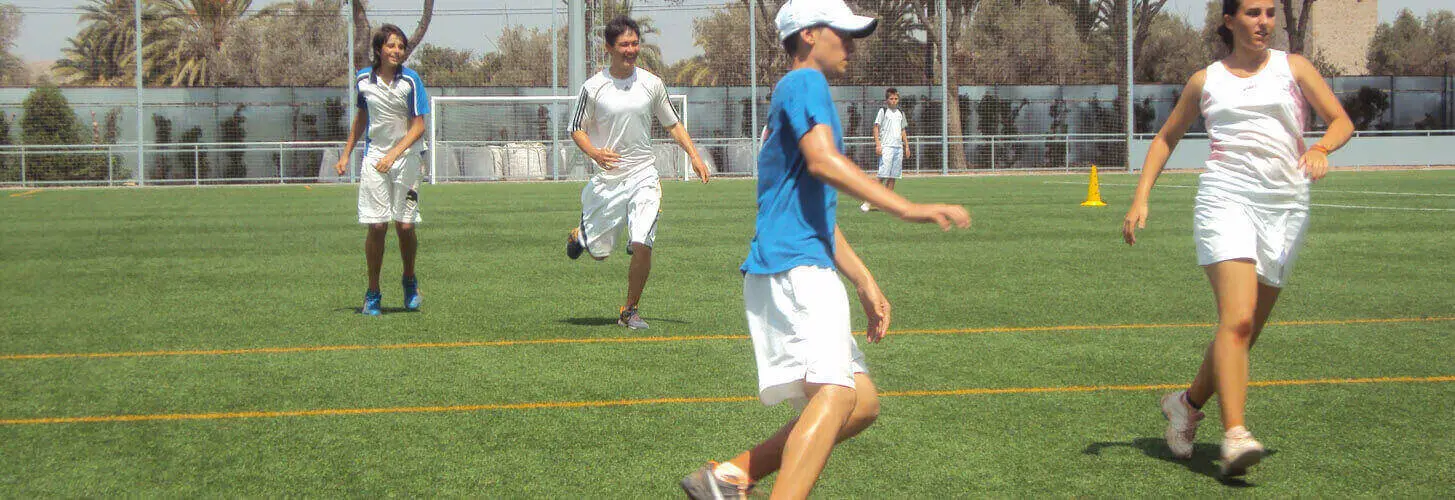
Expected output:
(890, 141)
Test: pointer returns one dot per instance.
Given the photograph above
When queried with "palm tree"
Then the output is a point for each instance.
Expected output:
(193, 31)
(603, 11)
(101, 53)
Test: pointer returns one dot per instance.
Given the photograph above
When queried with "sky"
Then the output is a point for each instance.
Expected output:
(474, 24)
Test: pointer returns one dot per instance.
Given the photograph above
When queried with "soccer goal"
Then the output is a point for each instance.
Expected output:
(523, 138)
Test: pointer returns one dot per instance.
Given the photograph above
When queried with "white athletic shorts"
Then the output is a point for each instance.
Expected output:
(799, 322)
(1226, 229)
(891, 163)
(391, 196)
(608, 204)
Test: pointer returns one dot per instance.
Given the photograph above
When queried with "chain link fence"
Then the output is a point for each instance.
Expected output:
(240, 91)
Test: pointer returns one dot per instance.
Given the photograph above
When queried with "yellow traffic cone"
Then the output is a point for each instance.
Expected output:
(1093, 192)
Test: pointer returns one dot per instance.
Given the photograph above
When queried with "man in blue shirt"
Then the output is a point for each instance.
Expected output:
(797, 309)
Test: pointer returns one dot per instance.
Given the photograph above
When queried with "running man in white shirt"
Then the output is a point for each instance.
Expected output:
(1251, 209)
(392, 104)
(612, 124)
(891, 142)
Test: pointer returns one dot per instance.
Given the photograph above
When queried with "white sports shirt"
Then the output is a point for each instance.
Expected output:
(616, 113)
(390, 106)
(891, 124)
(1255, 125)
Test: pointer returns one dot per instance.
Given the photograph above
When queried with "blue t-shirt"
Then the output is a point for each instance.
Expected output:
(795, 224)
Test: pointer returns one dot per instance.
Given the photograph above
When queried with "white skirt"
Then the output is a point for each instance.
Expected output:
(1226, 229)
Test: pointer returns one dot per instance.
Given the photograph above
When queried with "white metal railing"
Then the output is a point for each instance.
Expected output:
(120, 170)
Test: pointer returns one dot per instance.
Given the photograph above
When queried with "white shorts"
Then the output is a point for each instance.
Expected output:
(391, 196)
(891, 163)
(1226, 229)
(799, 322)
(608, 204)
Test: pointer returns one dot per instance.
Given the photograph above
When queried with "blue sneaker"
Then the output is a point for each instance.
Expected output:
(372, 298)
(411, 293)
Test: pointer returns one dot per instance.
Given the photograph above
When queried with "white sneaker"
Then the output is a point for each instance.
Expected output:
(1182, 420)
(1240, 451)
(864, 208)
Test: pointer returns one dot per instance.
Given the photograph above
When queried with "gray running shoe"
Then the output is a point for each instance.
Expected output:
(704, 485)
(630, 319)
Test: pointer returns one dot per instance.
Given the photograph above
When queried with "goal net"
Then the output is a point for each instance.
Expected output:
(523, 138)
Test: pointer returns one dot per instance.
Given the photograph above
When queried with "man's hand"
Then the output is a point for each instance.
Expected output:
(606, 158)
(342, 165)
(701, 169)
(940, 214)
(907, 153)
(876, 308)
(878, 149)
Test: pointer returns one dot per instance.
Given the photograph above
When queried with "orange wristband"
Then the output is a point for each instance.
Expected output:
(1320, 148)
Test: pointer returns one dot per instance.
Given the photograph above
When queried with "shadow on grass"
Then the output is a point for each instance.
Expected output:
(384, 310)
(1204, 457)
(589, 321)
(599, 321)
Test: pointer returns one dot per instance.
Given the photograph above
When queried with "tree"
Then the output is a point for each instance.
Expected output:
(231, 130)
(1366, 108)
(49, 120)
(364, 32)
(199, 163)
(1172, 52)
(523, 59)
(190, 35)
(103, 51)
(162, 163)
(600, 12)
(1411, 47)
(725, 51)
(12, 68)
(9, 170)
(314, 32)
(951, 22)
(1046, 51)
(448, 67)
(1295, 23)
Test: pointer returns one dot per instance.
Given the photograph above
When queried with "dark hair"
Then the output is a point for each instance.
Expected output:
(795, 41)
(1230, 8)
(890, 91)
(619, 25)
(381, 36)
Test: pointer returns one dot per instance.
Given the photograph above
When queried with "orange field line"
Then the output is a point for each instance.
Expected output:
(658, 401)
(632, 340)
(27, 193)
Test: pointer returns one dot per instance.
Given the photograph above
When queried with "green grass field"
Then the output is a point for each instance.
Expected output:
(183, 273)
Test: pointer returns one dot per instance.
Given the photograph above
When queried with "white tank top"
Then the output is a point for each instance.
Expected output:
(1256, 128)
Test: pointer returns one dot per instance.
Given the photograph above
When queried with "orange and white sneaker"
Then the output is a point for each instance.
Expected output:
(1182, 420)
(632, 319)
(705, 485)
(1240, 451)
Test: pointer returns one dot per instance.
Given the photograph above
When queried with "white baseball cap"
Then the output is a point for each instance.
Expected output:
(797, 15)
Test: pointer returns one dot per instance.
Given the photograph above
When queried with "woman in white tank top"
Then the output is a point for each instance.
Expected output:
(1251, 209)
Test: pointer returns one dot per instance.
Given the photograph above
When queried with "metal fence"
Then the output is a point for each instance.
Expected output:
(246, 92)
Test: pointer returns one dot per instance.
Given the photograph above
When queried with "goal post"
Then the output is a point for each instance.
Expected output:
(487, 138)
